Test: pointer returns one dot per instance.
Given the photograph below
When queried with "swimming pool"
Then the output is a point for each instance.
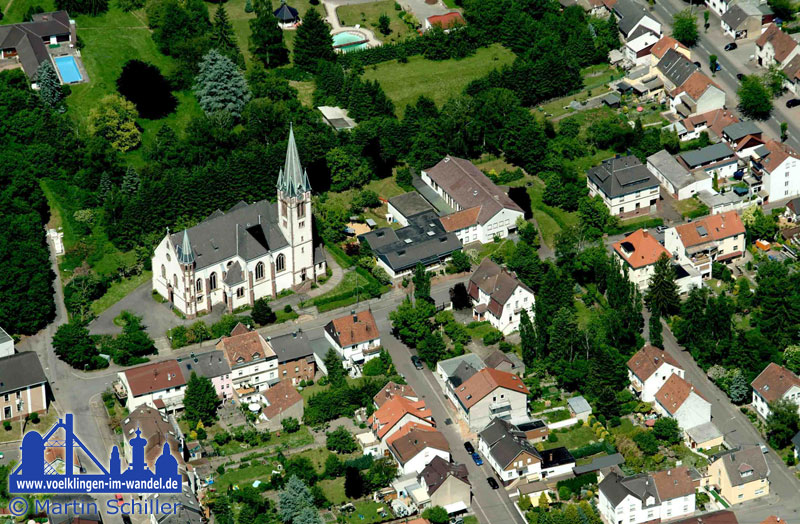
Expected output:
(346, 41)
(68, 69)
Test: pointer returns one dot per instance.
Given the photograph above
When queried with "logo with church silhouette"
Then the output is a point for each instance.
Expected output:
(36, 474)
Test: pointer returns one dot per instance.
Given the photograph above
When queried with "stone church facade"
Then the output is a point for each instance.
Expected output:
(246, 253)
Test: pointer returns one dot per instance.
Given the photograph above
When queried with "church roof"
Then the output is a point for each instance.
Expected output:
(292, 179)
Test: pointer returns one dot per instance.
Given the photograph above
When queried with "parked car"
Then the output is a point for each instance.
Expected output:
(416, 361)
(477, 458)
(661, 229)
(764, 449)
(492, 483)
(794, 102)
(731, 46)
(739, 77)
(468, 447)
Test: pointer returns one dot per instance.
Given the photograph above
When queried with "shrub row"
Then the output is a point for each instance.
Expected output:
(593, 449)
(576, 483)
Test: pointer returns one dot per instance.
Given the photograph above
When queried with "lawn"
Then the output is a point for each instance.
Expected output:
(367, 513)
(349, 282)
(243, 477)
(576, 437)
(334, 490)
(691, 208)
(477, 330)
(557, 415)
(595, 79)
(550, 220)
(119, 290)
(367, 15)
(439, 80)
(17, 8)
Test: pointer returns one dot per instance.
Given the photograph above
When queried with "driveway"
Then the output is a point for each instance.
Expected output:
(422, 10)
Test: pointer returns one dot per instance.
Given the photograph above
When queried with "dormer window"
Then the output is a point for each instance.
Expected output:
(240, 359)
(256, 355)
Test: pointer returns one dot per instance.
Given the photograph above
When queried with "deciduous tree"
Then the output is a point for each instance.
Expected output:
(266, 37)
(684, 27)
(114, 119)
(783, 423)
(755, 100)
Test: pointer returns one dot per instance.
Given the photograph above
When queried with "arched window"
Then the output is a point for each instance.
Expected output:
(163, 272)
(174, 280)
(212, 281)
(259, 271)
(240, 292)
(280, 263)
(199, 285)
(229, 263)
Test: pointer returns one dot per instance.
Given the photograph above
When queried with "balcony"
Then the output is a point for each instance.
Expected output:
(500, 406)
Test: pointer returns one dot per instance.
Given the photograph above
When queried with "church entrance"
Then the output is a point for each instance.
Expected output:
(171, 293)
(303, 276)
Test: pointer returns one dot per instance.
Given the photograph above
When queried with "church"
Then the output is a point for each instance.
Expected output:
(246, 253)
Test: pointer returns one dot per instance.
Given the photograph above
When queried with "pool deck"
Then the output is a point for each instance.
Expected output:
(58, 52)
(336, 27)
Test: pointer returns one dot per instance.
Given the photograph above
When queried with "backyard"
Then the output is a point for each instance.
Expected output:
(550, 219)
(573, 438)
(367, 15)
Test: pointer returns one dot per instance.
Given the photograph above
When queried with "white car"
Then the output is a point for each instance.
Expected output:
(764, 449)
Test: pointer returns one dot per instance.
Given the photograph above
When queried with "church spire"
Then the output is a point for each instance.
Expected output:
(292, 180)
(185, 253)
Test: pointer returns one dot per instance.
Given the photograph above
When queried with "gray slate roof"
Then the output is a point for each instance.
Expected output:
(741, 129)
(496, 281)
(616, 487)
(506, 442)
(629, 14)
(450, 365)
(19, 371)
(4, 337)
(599, 463)
(707, 155)
(621, 176)
(676, 67)
(704, 432)
(671, 169)
(410, 204)
(292, 346)
(210, 364)
(737, 461)
(737, 14)
(234, 275)
(463, 372)
(29, 38)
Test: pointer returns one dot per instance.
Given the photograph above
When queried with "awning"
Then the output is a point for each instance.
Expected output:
(729, 256)
(455, 507)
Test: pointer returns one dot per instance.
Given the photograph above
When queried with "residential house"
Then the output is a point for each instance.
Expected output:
(402, 207)
(159, 385)
(489, 393)
(23, 386)
(712, 122)
(637, 51)
(697, 95)
(6, 344)
(675, 178)
(508, 362)
(295, 354)
(792, 72)
(778, 167)
(634, 20)
(415, 445)
(714, 238)
(646, 497)
(499, 297)
(724, 516)
(254, 365)
(483, 210)
(722, 202)
(625, 185)
(734, 133)
(557, 462)
(674, 69)
(792, 211)
(649, 369)
(535, 430)
(717, 160)
(446, 369)
(773, 384)
(704, 436)
(679, 399)
(774, 47)
(600, 463)
(155, 427)
(740, 475)
(508, 452)
(447, 485)
(424, 241)
(447, 21)
(392, 390)
(355, 337)
(26, 44)
(639, 252)
(214, 366)
(533, 491)
(281, 401)
(664, 44)
(743, 20)
(395, 414)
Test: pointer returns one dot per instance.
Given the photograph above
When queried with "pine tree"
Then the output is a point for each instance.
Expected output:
(313, 42)
(662, 294)
(201, 401)
(105, 184)
(527, 335)
(266, 37)
(220, 86)
(293, 499)
(130, 182)
(656, 338)
(223, 38)
(336, 372)
(248, 6)
(49, 86)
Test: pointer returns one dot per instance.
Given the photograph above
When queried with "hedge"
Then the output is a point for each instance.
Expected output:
(576, 483)
(342, 258)
(593, 449)
(645, 224)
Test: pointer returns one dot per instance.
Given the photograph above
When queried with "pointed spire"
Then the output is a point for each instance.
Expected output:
(292, 180)
(185, 253)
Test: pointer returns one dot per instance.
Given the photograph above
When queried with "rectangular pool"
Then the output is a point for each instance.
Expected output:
(68, 69)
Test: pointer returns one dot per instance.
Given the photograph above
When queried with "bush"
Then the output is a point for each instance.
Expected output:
(7, 425)
(492, 337)
(290, 425)
(552, 438)
(287, 308)
(34, 418)
(220, 469)
(564, 493)
(575, 484)
(341, 441)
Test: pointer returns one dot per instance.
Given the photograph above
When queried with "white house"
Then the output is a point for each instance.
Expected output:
(775, 48)
(649, 369)
(779, 166)
(159, 385)
(678, 399)
(625, 185)
(634, 20)
(355, 337)
(714, 238)
(716, 159)
(249, 252)
(675, 178)
(499, 297)
(639, 252)
(792, 72)
(415, 445)
(646, 497)
(395, 414)
(774, 383)
(488, 393)
(482, 210)
(637, 51)
(697, 95)
(6, 344)
(254, 364)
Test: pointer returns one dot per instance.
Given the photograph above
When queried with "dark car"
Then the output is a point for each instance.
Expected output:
(794, 102)
(416, 361)
(739, 77)
(492, 483)
(697, 65)
(477, 458)
(731, 46)
(468, 447)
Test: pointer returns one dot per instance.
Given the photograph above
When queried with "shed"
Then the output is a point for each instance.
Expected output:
(286, 14)
(611, 100)
(580, 407)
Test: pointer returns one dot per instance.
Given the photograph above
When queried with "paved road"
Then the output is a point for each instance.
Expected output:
(783, 500)
(733, 62)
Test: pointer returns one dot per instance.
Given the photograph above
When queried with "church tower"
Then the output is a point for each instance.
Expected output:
(185, 256)
(294, 216)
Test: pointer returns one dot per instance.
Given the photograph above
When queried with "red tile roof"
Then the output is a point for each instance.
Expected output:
(460, 219)
(647, 360)
(778, 152)
(447, 20)
(245, 347)
(717, 227)
(774, 382)
(640, 249)
(388, 415)
(392, 390)
(482, 383)
(695, 86)
(674, 393)
(673, 483)
(280, 397)
(353, 329)
(666, 43)
(782, 43)
(411, 439)
(154, 377)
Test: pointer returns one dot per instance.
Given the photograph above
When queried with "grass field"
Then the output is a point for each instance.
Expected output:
(119, 290)
(14, 10)
(334, 490)
(367, 15)
(550, 219)
(576, 437)
(439, 80)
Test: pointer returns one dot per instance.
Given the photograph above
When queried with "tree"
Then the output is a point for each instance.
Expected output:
(383, 24)
(755, 100)
(145, 86)
(662, 294)
(73, 345)
(527, 335)
(712, 62)
(290, 425)
(422, 283)
(333, 466)
(684, 27)
(527, 232)
(738, 386)
(313, 42)
(220, 86)
(49, 86)
(656, 330)
(341, 441)
(667, 430)
(436, 515)
(594, 216)
(353, 483)
(782, 8)
(432, 348)
(262, 314)
(293, 499)
(460, 297)
(114, 119)
(347, 170)
(308, 515)
(336, 371)
(248, 6)
(647, 442)
(266, 37)
(783, 423)
(411, 322)
(791, 358)
(223, 38)
(706, 16)
(201, 401)
(784, 131)
(459, 262)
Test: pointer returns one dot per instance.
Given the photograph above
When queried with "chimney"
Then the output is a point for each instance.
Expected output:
(669, 472)
(355, 318)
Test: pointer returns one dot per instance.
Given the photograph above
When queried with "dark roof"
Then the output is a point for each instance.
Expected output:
(292, 346)
(629, 14)
(495, 281)
(735, 15)
(599, 463)
(506, 442)
(738, 461)
(249, 231)
(437, 471)
(616, 487)
(285, 13)
(187, 510)
(622, 176)
(556, 457)
(463, 372)
(410, 204)
(724, 516)
(796, 440)
(234, 275)
(4, 337)
(28, 38)
(676, 67)
(210, 364)
(741, 129)
(424, 240)
(68, 515)
(708, 154)
(19, 371)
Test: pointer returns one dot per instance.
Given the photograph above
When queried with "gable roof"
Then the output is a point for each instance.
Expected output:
(505, 442)
(674, 393)
(738, 13)
(710, 228)
(484, 382)
(292, 346)
(740, 130)
(715, 120)
(782, 43)
(497, 358)
(210, 364)
(724, 516)
(776, 153)
(390, 413)
(437, 472)
(694, 86)
(391, 390)
(621, 176)
(351, 330)
(774, 382)
(413, 438)
(450, 365)
(673, 483)
(664, 44)
(739, 461)
(792, 68)
(280, 397)
(447, 20)
(640, 249)
(469, 187)
(579, 405)
(495, 281)
(157, 376)
(28, 38)
(647, 360)
(616, 488)
(460, 219)
(675, 67)
(19, 371)
(156, 429)
(707, 155)
(629, 15)
(245, 348)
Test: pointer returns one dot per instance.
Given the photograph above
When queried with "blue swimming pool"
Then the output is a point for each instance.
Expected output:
(68, 69)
